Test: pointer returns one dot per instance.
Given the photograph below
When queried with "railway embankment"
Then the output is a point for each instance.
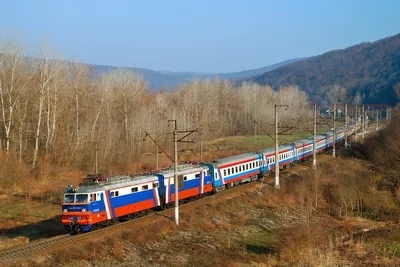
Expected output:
(344, 213)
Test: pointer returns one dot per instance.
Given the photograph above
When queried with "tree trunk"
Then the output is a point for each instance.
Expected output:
(37, 136)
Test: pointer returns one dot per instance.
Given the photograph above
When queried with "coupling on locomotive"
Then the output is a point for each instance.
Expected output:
(101, 200)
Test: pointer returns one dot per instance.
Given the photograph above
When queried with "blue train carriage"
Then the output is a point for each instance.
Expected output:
(285, 153)
(303, 149)
(339, 134)
(234, 170)
(100, 201)
(194, 180)
(329, 139)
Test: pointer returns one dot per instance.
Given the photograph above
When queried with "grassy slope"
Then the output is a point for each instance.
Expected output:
(275, 228)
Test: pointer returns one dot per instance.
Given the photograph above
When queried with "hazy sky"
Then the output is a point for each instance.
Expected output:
(194, 35)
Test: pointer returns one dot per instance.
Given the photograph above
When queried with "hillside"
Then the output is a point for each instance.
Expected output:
(373, 69)
(159, 79)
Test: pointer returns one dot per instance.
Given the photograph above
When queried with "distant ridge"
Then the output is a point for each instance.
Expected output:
(168, 80)
(372, 68)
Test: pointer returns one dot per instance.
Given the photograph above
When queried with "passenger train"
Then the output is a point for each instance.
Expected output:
(100, 200)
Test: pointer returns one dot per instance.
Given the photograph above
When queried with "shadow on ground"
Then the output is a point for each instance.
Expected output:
(43, 229)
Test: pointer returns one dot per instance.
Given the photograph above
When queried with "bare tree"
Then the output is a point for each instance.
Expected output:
(46, 69)
(337, 94)
(12, 84)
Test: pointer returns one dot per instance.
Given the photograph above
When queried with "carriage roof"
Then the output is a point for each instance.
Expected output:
(237, 158)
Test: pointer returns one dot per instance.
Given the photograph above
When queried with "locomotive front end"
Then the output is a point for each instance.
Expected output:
(76, 211)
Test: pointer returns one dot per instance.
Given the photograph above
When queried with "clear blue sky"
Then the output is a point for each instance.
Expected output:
(194, 35)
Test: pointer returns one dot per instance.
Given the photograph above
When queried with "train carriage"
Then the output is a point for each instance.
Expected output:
(194, 180)
(237, 169)
(285, 154)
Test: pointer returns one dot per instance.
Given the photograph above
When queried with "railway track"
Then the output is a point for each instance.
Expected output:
(18, 253)
(11, 255)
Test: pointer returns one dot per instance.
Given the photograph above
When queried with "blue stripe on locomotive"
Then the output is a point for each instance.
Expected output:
(132, 198)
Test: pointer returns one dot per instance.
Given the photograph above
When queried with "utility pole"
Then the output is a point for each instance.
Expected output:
(176, 182)
(315, 137)
(334, 130)
(176, 190)
(355, 133)
(96, 163)
(157, 157)
(201, 146)
(255, 134)
(277, 107)
(345, 125)
(276, 149)
(377, 119)
(363, 121)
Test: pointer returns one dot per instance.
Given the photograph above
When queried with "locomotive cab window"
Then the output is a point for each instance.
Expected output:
(82, 198)
(208, 172)
(92, 197)
(69, 198)
(155, 185)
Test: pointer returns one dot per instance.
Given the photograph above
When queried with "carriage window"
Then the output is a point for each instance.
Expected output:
(185, 178)
(134, 189)
(236, 169)
(229, 171)
(208, 172)
(145, 187)
(224, 173)
(155, 185)
(181, 182)
(233, 170)
(92, 197)
(197, 175)
(112, 194)
(247, 166)
(240, 168)
(254, 165)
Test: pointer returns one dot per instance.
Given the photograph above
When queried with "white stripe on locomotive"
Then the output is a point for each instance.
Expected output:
(106, 205)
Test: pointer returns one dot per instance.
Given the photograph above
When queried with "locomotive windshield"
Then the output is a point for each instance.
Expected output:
(76, 198)
(82, 198)
(69, 198)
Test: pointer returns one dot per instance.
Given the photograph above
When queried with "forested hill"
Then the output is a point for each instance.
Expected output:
(373, 69)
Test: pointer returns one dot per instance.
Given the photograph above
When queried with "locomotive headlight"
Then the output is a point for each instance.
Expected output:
(65, 210)
(83, 210)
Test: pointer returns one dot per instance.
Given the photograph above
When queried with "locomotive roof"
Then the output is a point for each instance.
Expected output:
(237, 158)
(182, 169)
(114, 182)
